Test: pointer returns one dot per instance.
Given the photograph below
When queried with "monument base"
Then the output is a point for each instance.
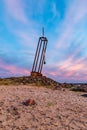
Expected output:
(36, 74)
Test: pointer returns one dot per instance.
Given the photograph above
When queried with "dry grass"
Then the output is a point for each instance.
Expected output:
(5, 82)
(20, 81)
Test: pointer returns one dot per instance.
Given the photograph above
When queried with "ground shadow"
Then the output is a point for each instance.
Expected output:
(84, 95)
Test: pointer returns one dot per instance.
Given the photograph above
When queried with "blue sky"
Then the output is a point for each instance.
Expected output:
(65, 23)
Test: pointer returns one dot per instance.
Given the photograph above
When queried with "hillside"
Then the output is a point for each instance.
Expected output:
(42, 81)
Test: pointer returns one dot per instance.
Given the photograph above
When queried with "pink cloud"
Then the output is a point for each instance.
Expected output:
(67, 76)
(14, 8)
(12, 69)
(69, 70)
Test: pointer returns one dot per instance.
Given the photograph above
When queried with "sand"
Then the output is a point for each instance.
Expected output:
(54, 109)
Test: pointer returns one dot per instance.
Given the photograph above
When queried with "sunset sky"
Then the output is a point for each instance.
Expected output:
(65, 23)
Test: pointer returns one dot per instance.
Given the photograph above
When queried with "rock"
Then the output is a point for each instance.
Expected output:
(29, 102)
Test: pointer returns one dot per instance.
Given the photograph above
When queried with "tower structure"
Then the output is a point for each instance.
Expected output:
(39, 59)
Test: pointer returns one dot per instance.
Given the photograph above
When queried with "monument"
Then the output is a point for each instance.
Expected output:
(39, 59)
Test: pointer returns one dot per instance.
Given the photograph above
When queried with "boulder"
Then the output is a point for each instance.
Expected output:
(29, 102)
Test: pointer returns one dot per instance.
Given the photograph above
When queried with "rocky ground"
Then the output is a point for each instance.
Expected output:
(54, 109)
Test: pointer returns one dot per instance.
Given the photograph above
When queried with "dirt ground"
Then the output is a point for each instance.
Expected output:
(54, 109)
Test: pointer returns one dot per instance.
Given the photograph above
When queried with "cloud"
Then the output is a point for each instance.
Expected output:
(10, 70)
(27, 38)
(74, 13)
(15, 9)
(66, 25)
(22, 58)
(55, 10)
(69, 70)
(69, 51)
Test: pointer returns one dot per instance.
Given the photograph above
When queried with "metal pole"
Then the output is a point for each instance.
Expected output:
(40, 43)
(43, 32)
(34, 64)
(43, 56)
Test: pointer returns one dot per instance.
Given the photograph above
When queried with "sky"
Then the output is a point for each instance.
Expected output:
(65, 24)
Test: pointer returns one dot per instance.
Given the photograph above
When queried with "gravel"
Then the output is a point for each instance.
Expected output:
(54, 109)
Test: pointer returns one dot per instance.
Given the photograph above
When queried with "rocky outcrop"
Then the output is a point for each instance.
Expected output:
(43, 81)
(38, 81)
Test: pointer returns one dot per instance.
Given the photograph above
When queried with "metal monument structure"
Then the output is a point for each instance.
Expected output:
(39, 59)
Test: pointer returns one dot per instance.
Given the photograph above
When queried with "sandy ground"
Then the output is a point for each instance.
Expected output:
(54, 109)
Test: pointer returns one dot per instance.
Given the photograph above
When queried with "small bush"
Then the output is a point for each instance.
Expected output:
(78, 89)
(49, 104)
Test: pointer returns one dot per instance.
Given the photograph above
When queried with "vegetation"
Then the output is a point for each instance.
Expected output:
(42, 81)
(79, 89)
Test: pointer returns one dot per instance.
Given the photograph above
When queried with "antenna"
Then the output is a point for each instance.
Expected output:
(43, 31)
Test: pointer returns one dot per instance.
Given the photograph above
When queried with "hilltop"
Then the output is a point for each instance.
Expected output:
(42, 81)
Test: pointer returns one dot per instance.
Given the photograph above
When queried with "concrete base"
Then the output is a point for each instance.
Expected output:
(36, 74)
